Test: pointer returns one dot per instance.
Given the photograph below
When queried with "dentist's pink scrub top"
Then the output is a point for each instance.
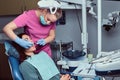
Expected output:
(31, 22)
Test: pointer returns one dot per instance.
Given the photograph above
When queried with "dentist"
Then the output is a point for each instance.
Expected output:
(39, 24)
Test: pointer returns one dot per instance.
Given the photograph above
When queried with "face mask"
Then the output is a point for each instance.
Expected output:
(43, 22)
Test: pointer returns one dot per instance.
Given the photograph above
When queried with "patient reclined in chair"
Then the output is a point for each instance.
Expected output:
(50, 70)
(47, 71)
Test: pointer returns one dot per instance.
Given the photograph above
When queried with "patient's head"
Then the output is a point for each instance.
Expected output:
(32, 48)
(22, 51)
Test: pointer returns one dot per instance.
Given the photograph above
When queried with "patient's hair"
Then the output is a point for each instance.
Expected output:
(20, 49)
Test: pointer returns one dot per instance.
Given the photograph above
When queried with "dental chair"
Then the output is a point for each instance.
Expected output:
(13, 59)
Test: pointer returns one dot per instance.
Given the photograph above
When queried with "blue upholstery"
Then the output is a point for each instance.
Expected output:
(14, 65)
(10, 50)
(13, 59)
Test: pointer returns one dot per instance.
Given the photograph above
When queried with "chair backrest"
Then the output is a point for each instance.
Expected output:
(14, 66)
(13, 59)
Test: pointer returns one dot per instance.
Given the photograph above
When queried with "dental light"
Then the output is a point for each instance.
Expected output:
(50, 4)
(111, 21)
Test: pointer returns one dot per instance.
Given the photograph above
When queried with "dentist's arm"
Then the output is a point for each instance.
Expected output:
(48, 39)
(9, 31)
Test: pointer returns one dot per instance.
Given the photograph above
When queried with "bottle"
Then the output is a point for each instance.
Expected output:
(89, 56)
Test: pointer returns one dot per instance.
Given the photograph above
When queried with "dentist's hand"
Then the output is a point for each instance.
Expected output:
(41, 42)
(23, 43)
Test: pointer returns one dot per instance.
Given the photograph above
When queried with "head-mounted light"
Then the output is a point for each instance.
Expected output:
(52, 5)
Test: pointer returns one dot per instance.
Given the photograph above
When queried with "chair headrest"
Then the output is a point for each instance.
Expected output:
(10, 50)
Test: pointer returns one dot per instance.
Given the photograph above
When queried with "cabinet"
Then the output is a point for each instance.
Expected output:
(30, 4)
(11, 7)
(5, 73)
(15, 7)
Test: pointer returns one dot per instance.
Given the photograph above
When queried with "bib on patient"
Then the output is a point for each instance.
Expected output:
(44, 64)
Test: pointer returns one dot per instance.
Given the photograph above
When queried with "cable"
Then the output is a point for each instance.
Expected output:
(78, 18)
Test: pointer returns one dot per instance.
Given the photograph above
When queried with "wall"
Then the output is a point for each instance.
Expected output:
(111, 39)
(71, 31)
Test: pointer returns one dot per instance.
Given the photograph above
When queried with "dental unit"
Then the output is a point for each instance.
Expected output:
(105, 61)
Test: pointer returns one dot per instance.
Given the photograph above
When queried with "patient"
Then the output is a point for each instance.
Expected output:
(31, 72)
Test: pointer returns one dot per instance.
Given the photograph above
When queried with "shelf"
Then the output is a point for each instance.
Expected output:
(74, 4)
(70, 6)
